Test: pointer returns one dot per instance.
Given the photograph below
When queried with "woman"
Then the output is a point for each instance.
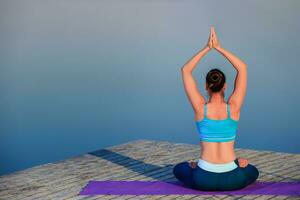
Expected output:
(217, 169)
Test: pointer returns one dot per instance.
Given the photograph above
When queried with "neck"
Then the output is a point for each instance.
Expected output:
(216, 98)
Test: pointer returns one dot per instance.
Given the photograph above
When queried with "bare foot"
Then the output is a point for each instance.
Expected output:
(193, 164)
(243, 162)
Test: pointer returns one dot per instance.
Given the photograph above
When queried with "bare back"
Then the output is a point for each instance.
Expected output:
(218, 152)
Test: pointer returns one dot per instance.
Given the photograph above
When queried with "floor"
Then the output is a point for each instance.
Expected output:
(135, 160)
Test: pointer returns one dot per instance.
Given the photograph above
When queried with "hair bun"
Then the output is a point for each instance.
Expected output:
(215, 77)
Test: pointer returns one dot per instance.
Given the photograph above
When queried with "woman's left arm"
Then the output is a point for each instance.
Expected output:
(194, 95)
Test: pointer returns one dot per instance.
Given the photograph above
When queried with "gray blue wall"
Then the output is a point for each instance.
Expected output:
(77, 76)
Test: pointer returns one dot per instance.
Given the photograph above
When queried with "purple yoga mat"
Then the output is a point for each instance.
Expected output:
(175, 187)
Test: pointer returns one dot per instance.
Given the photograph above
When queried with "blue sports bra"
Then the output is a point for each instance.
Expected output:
(212, 130)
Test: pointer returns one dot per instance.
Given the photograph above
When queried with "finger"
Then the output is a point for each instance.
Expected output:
(214, 33)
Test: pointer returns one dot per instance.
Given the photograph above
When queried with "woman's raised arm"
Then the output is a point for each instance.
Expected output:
(190, 86)
(240, 86)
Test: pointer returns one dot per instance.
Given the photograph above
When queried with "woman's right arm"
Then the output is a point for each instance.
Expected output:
(240, 86)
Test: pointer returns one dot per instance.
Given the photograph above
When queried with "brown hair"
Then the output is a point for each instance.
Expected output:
(215, 80)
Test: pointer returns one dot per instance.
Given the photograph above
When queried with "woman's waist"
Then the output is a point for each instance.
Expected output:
(227, 155)
(216, 167)
(218, 161)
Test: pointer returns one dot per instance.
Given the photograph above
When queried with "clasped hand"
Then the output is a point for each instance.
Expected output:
(213, 41)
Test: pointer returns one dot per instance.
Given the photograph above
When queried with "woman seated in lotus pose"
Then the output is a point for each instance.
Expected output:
(217, 169)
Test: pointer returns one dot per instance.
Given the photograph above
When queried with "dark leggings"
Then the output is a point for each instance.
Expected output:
(198, 178)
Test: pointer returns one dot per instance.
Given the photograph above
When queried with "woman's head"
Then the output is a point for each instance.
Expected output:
(215, 81)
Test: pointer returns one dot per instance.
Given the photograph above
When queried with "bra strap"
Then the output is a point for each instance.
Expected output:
(228, 111)
(205, 110)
